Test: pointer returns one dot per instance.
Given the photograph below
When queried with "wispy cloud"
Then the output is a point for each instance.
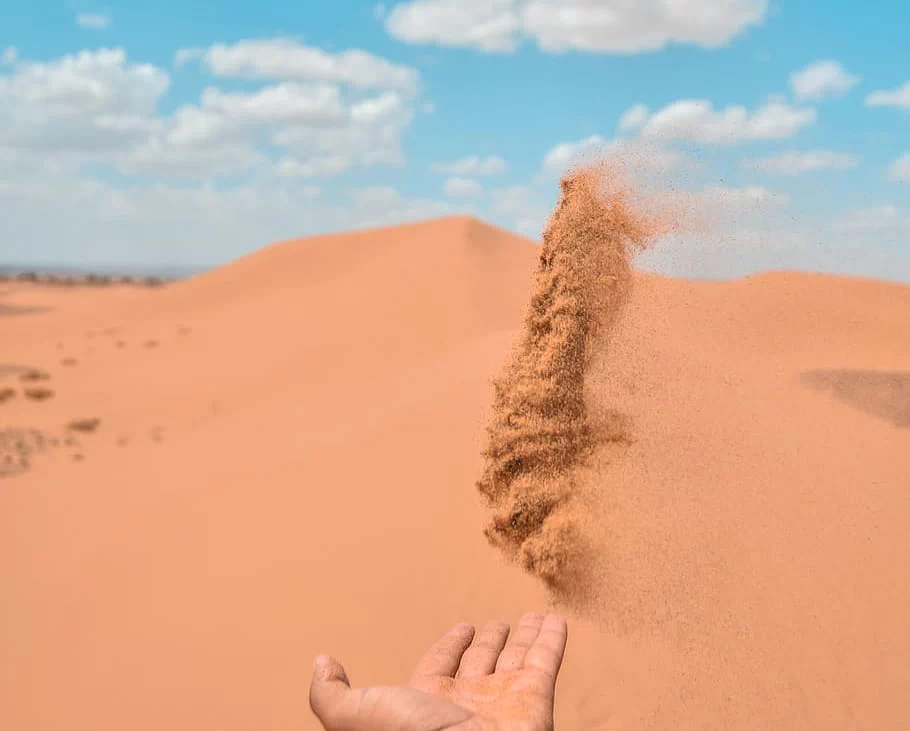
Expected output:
(799, 162)
(473, 165)
(899, 97)
(286, 59)
(899, 170)
(696, 120)
(94, 21)
(462, 187)
(822, 79)
(581, 25)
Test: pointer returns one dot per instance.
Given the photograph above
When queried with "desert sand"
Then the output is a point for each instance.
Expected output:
(279, 457)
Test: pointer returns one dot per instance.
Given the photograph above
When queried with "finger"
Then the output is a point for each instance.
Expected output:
(480, 658)
(550, 646)
(443, 657)
(329, 688)
(513, 656)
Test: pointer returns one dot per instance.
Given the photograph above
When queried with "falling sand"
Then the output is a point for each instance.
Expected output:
(543, 428)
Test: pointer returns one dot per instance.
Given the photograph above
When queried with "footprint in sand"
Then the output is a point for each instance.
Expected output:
(17, 446)
(38, 393)
(82, 426)
(33, 374)
(68, 362)
(151, 343)
(86, 426)
(6, 394)
(10, 464)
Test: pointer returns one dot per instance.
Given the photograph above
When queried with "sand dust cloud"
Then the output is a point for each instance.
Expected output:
(544, 428)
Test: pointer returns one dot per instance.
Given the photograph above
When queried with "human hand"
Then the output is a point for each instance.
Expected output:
(486, 685)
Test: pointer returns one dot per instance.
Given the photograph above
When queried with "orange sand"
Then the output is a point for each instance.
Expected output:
(291, 468)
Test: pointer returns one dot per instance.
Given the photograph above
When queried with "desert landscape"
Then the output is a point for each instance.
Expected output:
(206, 483)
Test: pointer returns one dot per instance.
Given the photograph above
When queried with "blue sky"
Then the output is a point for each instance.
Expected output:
(189, 133)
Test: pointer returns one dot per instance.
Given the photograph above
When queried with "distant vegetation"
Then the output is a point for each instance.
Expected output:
(71, 276)
(84, 280)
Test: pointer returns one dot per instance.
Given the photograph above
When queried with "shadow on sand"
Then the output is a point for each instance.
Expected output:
(8, 310)
(885, 394)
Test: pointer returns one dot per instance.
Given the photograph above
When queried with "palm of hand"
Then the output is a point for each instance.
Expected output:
(518, 700)
(485, 687)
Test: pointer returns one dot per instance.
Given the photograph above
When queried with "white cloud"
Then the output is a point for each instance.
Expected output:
(9, 56)
(184, 56)
(883, 217)
(462, 187)
(220, 135)
(370, 133)
(899, 97)
(157, 157)
(383, 205)
(565, 154)
(646, 25)
(634, 118)
(95, 21)
(59, 219)
(530, 227)
(751, 197)
(559, 25)
(762, 245)
(523, 206)
(82, 105)
(321, 133)
(733, 231)
(285, 59)
(899, 170)
(282, 103)
(635, 156)
(513, 200)
(711, 211)
(473, 165)
(317, 166)
(490, 25)
(822, 79)
(797, 163)
(90, 82)
(95, 106)
(381, 107)
(696, 120)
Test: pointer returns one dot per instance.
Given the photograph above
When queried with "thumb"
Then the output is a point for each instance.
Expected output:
(328, 688)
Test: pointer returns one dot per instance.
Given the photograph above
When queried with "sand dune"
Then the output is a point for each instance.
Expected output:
(292, 470)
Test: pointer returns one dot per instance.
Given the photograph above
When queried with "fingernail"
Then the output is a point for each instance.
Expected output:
(319, 661)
